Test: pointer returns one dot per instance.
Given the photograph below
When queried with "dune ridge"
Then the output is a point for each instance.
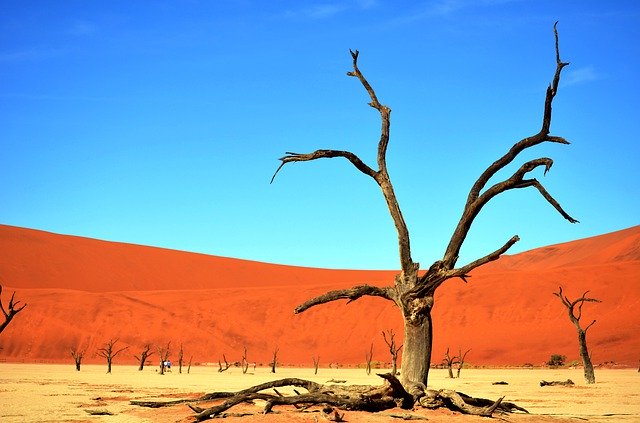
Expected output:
(82, 292)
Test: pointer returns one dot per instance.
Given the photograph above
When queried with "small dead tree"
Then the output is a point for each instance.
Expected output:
(180, 358)
(245, 362)
(461, 358)
(413, 290)
(11, 311)
(109, 352)
(393, 349)
(77, 355)
(449, 362)
(189, 366)
(574, 309)
(275, 359)
(144, 356)
(226, 364)
(316, 363)
(164, 353)
(369, 358)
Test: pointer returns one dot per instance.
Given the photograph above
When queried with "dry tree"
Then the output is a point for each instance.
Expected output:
(11, 311)
(574, 309)
(413, 289)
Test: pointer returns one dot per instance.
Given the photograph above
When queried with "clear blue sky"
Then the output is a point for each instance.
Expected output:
(160, 123)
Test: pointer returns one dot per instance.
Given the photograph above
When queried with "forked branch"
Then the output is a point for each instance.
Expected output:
(11, 311)
(575, 314)
(380, 175)
(476, 200)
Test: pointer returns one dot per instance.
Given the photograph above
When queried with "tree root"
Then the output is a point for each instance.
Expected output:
(350, 397)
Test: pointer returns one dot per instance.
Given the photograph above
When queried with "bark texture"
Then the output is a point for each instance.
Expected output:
(413, 290)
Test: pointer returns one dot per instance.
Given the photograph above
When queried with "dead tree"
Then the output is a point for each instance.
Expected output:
(11, 311)
(316, 363)
(393, 349)
(449, 362)
(164, 353)
(189, 365)
(369, 357)
(461, 358)
(226, 364)
(275, 359)
(413, 290)
(77, 355)
(245, 362)
(109, 352)
(144, 356)
(180, 358)
(574, 309)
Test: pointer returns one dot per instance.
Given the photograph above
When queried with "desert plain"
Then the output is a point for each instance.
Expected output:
(59, 393)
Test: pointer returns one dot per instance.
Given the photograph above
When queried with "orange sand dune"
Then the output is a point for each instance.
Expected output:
(82, 292)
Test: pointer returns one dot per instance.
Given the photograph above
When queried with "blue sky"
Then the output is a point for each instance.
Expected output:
(160, 123)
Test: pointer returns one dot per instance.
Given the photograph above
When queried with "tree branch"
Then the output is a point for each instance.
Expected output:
(325, 154)
(381, 176)
(351, 294)
(476, 200)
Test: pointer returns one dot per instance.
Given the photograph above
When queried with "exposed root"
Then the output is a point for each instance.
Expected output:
(390, 395)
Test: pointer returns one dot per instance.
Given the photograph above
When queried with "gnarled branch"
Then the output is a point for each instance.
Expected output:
(11, 311)
(476, 200)
(350, 294)
(381, 175)
(574, 315)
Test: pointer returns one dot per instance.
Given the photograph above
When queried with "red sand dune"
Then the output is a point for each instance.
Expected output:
(82, 292)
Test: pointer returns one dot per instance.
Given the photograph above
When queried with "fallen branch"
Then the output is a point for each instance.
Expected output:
(567, 382)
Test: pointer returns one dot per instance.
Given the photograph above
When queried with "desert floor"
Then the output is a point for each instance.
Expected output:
(58, 393)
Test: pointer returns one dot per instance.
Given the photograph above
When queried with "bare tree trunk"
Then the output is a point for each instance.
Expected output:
(393, 350)
(144, 356)
(574, 309)
(449, 361)
(316, 363)
(226, 364)
(589, 375)
(77, 355)
(180, 358)
(275, 360)
(369, 357)
(461, 358)
(189, 366)
(416, 358)
(245, 362)
(109, 353)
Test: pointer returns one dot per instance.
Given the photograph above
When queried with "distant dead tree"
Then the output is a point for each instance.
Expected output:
(180, 358)
(461, 358)
(393, 349)
(77, 355)
(245, 362)
(144, 356)
(574, 309)
(11, 311)
(369, 358)
(226, 364)
(109, 352)
(164, 353)
(275, 359)
(449, 362)
(413, 290)
(189, 366)
(316, 363)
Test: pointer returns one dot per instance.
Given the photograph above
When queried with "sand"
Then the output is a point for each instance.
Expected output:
(58, 393)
